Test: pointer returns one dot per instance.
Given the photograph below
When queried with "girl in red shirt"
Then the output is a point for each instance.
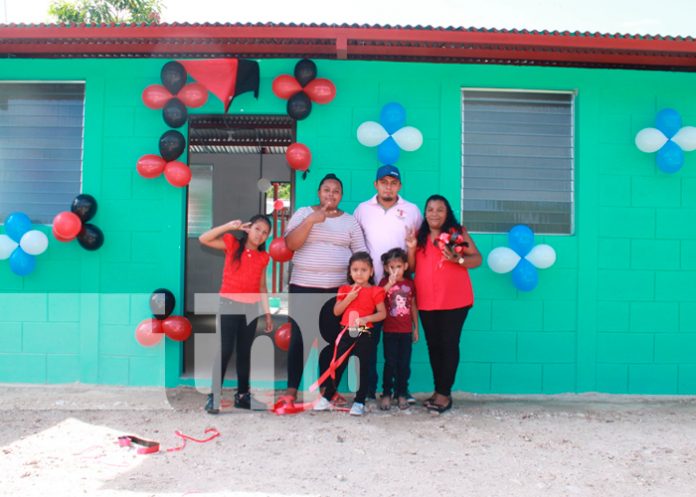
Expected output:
(360, 304)
(243, 287)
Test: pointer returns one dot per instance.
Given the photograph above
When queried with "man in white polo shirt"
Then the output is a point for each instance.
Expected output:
(386, 219)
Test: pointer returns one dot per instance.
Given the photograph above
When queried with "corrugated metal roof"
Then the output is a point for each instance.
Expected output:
(351, 42)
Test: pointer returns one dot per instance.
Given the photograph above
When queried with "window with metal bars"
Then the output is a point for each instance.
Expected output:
(517, 160)
(41, 139)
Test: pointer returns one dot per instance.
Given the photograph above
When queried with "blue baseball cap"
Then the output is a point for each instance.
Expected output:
(388, 170)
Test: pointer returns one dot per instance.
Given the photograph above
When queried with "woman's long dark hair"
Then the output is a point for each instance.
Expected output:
(365, 257)
(450, 221)
(245, 236)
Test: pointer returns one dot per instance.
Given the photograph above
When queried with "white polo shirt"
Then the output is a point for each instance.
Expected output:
(386, 229)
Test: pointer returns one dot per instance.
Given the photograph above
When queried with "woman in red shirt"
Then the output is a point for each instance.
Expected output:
(243, 287)
(443, 292)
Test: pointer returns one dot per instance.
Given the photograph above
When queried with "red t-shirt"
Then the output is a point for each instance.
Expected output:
(440, 284)
(241, 279)
(364, 304)
(399, 302)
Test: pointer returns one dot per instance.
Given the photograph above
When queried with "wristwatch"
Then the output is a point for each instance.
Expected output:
(460, 261)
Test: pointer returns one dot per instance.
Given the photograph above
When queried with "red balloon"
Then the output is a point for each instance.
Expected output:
(177, 173)
(278, 205)
(285, 86)
(66, 226)
(282, 336)
(177, 328)
(279, 250)
(320, 90)
(193, 95)
(149, 332)
(150, 166)
(298, 156)
(156, 96)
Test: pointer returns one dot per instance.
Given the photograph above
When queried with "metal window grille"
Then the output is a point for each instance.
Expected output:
(517, 160)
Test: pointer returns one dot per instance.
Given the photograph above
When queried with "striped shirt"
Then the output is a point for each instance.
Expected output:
(322, 261)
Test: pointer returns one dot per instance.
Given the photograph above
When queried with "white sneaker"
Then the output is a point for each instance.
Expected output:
(358, 409)
(322, 405)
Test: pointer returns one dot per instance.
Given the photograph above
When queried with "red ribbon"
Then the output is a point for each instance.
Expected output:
(152, 447)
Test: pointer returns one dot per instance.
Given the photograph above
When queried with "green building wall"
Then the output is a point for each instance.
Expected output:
(616, 313)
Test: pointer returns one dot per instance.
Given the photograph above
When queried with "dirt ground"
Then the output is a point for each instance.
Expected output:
(63, 441)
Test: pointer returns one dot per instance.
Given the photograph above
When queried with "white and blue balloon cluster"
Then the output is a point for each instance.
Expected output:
(390, 135)
(21, 243)
(669, 139)
(522, 257)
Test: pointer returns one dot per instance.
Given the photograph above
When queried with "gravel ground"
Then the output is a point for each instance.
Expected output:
(62, 440)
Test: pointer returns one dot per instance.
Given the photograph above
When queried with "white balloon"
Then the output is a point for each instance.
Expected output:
(264, 185)
(502, 259)
(7, 246)
(542, 256)
(34, 242)
(686, 138)
(371, 133)
(650, 140)
(408, 138)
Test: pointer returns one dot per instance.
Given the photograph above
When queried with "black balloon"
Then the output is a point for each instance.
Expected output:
(171, 145)
(90, 237)
(85, 206)
(175, 113)
(299, 106)
(173, 76)
(162, 303)
(305, 71)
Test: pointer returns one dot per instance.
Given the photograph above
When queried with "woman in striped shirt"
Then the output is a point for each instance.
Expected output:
(323, 239)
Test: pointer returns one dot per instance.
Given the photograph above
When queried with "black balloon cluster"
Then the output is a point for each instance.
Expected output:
(72, 224)
(303, 89)
(90, 236)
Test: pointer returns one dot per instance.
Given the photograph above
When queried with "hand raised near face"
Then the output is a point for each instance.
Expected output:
(353, 294)
(318, 215)
(411, 240)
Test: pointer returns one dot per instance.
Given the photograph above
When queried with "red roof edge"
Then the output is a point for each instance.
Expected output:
(353, 42)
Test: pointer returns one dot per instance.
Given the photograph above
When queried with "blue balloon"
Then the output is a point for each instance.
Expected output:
(525, 276)
(670, 157)
(22, 263)
(668, 121)
(521, 239)
(393, 117)
(16, 225)
(388, 151)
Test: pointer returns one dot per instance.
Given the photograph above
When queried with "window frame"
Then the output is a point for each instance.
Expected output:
(81, 82)
(573, 137)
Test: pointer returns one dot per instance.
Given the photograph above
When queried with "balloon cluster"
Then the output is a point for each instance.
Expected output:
(303, 89)
(150, 331)
(391, 134)
(174, 95)
(669, 139)
(171, 146)
(523, 258)
(21, 244)
(68, 225)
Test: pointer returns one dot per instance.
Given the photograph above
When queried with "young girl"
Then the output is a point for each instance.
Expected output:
(243, 287)
(400, 328)
(360, 304)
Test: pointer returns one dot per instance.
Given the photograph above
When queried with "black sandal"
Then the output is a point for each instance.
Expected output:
(433, 407)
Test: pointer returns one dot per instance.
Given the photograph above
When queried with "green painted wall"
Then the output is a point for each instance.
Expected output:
(616, 313)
